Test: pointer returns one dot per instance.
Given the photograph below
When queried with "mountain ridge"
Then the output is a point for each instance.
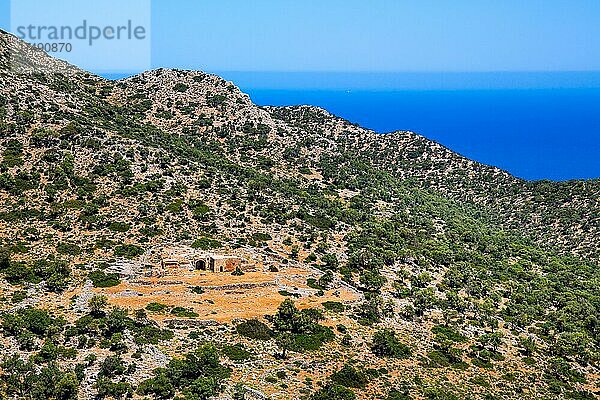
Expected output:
(408, 144)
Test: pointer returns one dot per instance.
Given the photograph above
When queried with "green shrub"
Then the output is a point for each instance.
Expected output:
(281, 375)
(216, 100)
(198, 375)
(149, 334)
(100, 279)
(299, 330)
(386, 344)
(200, 211)
(56, 273)
(254, 329)
(119, 226)
(285, 293)
(16, 185)
(156, 307)
(128, 250)
(183, 312)
(36, 321)
(395, 394)
(350, 377)
(261, 237)
(21, 379)
(439, 394)
(312, 283)
(198, 290)
(175, 207)
(236, 352)
(332, 391)
(4, 260)
(438, 359)
(449, 333)
(311, 342)
(334, 306)
(19, 296)
(206, 243)
(12, 154)
(180, 87)
(117, 390)
(68, 248)
(330, 261)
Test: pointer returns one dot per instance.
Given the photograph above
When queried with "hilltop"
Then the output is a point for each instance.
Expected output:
(407, 270)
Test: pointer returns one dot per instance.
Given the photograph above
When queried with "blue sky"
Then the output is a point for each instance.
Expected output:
(377, 35)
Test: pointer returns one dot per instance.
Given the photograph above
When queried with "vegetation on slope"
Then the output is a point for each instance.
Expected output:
(93, 171)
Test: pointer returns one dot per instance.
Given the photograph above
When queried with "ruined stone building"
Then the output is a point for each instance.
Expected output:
(218, 263)
(175, 257)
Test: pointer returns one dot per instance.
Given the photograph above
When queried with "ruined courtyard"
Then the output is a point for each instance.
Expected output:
(253, 289)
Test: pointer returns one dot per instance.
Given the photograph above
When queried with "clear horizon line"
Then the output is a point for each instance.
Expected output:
(406, 71)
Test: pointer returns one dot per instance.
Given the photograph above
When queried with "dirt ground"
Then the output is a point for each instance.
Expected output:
(226, 297)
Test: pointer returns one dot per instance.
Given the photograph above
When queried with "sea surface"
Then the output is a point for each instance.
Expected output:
(532, 133)
(534, 125)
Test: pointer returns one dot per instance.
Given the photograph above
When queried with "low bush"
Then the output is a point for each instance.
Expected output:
(441, 331)
(119, 226)
(386, 344)
(128, 250)
(156, 307)
(333, 391)
(254, 329)
(206, 243)
(350, 377)
(100, 279)
(236, 352)
(183, 312)
(197, 375)
(311, 342)
(334, 306)
(68, 249)
(180, 87)
(197, 290)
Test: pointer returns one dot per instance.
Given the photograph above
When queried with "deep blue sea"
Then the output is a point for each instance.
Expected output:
(532, 133)
(534, 125)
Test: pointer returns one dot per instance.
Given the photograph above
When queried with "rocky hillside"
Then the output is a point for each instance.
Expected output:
(565, 214)
(465, 281)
